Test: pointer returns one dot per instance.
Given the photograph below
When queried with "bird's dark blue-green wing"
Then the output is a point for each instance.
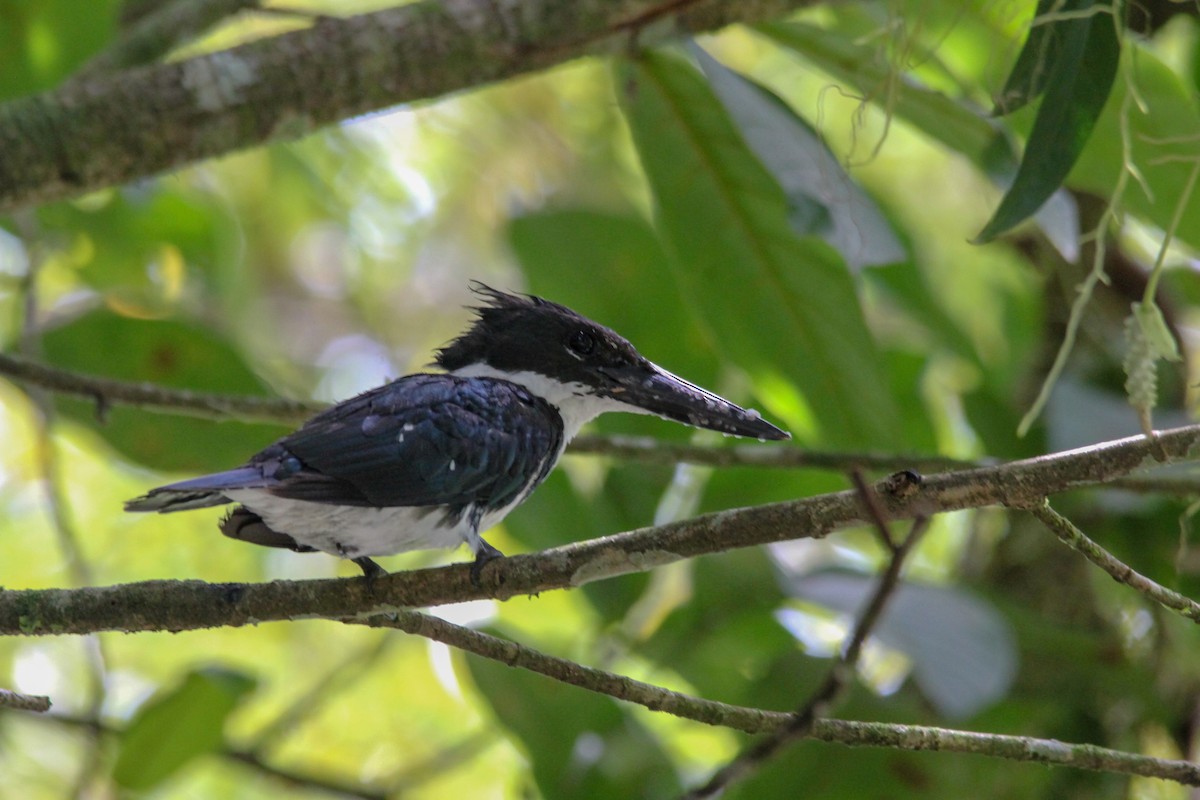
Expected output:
(421, 440)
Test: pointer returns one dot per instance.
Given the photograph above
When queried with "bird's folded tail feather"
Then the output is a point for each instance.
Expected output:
(202, 492)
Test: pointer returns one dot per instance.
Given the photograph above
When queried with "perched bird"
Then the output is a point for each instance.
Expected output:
(431, 460)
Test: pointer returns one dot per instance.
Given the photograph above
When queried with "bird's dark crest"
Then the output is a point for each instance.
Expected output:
(499, 310)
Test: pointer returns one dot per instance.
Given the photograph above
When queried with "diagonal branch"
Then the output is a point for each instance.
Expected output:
(168, 26)
(110, 130)
(1078, 541)
(187, 605)
(755, 720)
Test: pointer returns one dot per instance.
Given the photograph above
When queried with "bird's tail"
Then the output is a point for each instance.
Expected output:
(201, 492)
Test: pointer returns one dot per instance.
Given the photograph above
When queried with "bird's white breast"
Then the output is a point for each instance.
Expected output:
(354, 531)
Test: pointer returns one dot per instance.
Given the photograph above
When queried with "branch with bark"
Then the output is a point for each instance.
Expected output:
(110, 130)
(756, 720)
(187, 605)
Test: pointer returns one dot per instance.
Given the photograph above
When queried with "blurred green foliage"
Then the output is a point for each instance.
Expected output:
(658, 197)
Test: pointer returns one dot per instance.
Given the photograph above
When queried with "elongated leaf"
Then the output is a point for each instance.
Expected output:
(1076, 92)
(781, 307)
(956, 124)
(1161, 124)
(1040, 57)
(171, 354)
(179, 726)
(963, 652)
(44, 40)
(807, 171)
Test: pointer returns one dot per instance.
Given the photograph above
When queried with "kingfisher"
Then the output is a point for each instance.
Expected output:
(432, 460)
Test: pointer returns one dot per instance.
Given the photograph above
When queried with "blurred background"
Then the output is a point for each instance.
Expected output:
(812, 258)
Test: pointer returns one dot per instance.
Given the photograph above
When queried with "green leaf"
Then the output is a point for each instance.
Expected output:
(1161, 122)
(613, 268)
(955, 123)
(581, 745)
(845, 216)
(1040, 57)
(963, 651)
(783, 308)
(143, 248)
(44, 40)
(176, 727)
(1158, 334)
(171, 354)
(1076, 92)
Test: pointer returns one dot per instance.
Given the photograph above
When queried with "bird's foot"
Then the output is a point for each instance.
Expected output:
(483, 555)
(371, 571)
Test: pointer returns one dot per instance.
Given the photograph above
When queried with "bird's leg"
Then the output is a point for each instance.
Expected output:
(371, 570)
(483, 554)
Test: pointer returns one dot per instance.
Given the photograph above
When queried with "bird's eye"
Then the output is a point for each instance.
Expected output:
(581, 343)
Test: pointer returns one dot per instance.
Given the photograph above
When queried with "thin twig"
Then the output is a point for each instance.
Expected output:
(875, 511)
(153, 36)
(754, 720)
(106, 392)
(1074, 538)
(821, 703)
(24, 702)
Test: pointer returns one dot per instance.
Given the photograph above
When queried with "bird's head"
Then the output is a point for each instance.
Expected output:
(583, 368)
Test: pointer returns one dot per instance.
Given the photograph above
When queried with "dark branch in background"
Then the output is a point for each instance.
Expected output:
(160, 31)
(111, 130)
(831, 691)
(185, 605)
(754, 720)
(106, 392)
(351, 787)
(24, 702)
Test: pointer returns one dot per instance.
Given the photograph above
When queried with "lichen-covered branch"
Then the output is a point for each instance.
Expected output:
(24, 702)
(1078, 541)
(109, 130)
(184, 605)
(755, 720)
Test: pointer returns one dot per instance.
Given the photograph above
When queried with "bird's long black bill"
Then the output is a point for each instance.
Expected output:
(658, 392)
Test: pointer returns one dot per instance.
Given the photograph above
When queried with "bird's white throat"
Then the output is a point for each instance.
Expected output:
(575, 403)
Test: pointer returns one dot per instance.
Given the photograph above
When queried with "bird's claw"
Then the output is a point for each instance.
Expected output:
(483, 555)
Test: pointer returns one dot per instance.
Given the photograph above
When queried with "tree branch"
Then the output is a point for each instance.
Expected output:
(1121, 572)
(111, 130)
(159, 32)
(754, 720)
(24, 702)
(106, 392)
(186, 605)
